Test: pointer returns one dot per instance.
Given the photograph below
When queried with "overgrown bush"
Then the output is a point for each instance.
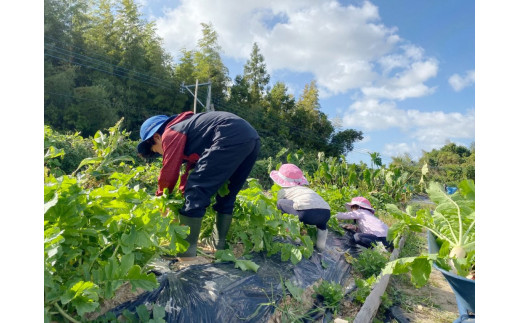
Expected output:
(77, 148)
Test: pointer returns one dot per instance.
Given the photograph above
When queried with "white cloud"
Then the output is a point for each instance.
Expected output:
(370, 114)
(429, 129)
(340, 45)
(434, 128)
(400, 149)
(408, 84)
(458, 82)
(366, 139)
(344, 48)
(409, 54)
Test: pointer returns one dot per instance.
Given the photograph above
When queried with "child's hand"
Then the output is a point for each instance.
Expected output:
(349, 226)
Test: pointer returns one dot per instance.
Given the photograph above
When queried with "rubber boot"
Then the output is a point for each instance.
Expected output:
(220, 230)
(193, 237)
(321, 239)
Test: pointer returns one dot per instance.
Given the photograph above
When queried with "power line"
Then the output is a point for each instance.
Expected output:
(105, 71)
(88, 59)
(62, 56)
(103, 61)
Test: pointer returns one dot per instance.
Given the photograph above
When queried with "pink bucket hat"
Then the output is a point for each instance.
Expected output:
(361, 202)
(288, 175)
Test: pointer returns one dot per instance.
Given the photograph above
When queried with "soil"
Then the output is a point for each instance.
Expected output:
(289, 307)
(122, 295)
(433, 303)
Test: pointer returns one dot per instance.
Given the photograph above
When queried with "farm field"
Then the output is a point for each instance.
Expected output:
(365, 109)
(104, 229)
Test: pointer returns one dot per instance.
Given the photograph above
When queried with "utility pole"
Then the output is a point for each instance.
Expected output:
(208, 106)
(195, 101)
(208, 98)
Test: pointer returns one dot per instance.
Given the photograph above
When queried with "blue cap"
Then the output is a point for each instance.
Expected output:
(151, 125)
(148, 129)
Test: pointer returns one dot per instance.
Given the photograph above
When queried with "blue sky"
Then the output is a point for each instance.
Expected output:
(401, 71)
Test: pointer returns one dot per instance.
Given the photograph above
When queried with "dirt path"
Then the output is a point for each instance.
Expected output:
(433, 303)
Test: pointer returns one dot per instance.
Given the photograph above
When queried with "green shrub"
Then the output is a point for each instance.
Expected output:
(332, 294)
(75, 147)
(370, 262)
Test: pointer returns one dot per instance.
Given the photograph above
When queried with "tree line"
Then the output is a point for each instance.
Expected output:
(103, 61)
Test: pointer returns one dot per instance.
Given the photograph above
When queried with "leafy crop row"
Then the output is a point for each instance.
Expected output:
(103, 224)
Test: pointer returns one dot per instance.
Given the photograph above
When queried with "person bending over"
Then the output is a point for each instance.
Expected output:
(216, 146)
(297, 199)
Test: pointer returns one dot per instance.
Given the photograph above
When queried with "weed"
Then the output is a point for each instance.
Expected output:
(331, 293)
(370, 262)
(291, 308)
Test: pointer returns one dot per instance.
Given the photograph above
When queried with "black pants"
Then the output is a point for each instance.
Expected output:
(367, 239)
(317, 217)
(216, 166)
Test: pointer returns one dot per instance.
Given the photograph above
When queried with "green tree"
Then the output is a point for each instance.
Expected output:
(209, 65)
(281, 103)
(309, 100)
(91, 112)
(239, 96)
(106, 46)
(311, 128)
(450, 164)
(343, 142)
(375, 158)
(255, 74)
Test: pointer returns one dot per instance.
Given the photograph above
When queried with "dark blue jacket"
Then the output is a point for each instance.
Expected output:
(187, 137)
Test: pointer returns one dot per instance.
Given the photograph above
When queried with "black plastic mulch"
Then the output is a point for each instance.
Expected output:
(219, 292)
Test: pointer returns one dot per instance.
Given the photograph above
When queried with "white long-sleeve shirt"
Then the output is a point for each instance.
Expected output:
(303, 197)
(367, 222)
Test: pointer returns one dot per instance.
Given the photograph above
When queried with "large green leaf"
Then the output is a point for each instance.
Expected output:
(225, 255)
(296, 255)
(421, 269)
(141, 280)
(83, 296)
(467, 189)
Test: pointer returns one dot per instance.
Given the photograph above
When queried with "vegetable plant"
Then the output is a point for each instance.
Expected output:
(370, 262)
(331, 293)
(452, 222)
